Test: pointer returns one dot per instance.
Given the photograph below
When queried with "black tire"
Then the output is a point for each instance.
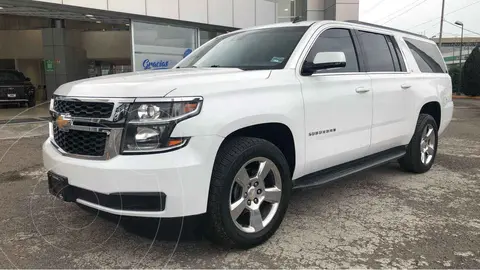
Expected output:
(411, 162)
(220, 228)
(31, 103)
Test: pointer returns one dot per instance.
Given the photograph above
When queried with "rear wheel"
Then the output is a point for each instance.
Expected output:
(249, 193)
(422, 149)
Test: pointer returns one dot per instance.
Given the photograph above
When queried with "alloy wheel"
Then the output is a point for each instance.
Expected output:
(255, 195)
(427, 144)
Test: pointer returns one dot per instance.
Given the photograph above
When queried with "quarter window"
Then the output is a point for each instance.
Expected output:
(427, 56)
(336, 40)
(378, 52)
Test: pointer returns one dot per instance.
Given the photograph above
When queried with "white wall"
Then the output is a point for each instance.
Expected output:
(341, 10)
(21, 44)
(163, 8)
(244, 13)
(28, 44)
(347, 10)
(220, 12)
(107, 45)
(194, 10)
(232, 13)
(266, 12)
(315, 9)
(32, 69)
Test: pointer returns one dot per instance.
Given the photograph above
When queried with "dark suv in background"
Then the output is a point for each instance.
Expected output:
(16, 88)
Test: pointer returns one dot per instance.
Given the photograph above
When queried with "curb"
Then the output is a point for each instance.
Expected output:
(464, 97)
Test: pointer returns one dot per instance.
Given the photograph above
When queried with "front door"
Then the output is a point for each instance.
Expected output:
(338, 105)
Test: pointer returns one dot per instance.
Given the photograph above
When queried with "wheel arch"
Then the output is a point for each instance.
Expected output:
(276, 132)
(432, 108)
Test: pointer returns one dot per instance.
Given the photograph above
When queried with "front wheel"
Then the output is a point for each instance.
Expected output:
(31, 103)
(249, 193)
(422, 149)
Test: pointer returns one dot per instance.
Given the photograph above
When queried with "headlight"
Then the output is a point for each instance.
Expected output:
(151, 122)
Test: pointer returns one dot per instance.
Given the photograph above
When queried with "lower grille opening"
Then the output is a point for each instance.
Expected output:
(78, 142)
(154, 202)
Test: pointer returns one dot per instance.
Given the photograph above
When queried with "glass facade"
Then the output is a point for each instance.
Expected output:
(205, 35)
(157, 46)
(287, 10)
(161, 46)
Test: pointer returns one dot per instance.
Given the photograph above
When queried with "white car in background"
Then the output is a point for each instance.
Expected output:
(244, 119)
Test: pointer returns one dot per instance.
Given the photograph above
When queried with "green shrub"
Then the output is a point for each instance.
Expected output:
(471, 74)
(454, 72)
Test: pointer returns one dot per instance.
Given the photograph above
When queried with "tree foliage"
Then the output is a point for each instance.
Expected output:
(471, 74)
(454, 72)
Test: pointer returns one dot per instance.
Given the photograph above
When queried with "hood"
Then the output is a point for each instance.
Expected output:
(156, 83)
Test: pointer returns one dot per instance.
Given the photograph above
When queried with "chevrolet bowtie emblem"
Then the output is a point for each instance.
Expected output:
(63, 122)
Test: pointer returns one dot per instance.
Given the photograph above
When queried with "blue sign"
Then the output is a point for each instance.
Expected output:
(155, 64)
(187, 52)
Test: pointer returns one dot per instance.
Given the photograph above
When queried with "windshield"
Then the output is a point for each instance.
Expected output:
(250, 50)
(10, 76)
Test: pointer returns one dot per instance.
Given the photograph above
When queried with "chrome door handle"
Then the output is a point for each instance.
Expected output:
(362, 90)
(406, 86)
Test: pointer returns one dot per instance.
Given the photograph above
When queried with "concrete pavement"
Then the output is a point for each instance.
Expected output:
(382, 218)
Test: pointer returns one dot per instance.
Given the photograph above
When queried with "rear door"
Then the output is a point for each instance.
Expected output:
(338, 104)
(391, 86)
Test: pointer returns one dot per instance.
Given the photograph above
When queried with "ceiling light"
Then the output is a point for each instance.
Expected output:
(99, 22)
(286, 9)
(127, 24)
(1, 7)
(88, 15)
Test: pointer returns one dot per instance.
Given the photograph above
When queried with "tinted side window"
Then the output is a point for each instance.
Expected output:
(378, 54)
(427, 55)
(336, 40)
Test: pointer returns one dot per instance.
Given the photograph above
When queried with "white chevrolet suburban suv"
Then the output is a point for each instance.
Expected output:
(246, 118)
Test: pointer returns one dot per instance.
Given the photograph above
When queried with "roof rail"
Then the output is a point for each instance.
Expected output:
(385, 27)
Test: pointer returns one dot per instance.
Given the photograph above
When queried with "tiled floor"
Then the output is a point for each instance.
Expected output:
(14, 112)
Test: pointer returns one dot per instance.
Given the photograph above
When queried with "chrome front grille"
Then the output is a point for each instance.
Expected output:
(77, 108)
(89, 128)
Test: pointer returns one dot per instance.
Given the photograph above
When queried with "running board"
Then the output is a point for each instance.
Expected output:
(349, 168)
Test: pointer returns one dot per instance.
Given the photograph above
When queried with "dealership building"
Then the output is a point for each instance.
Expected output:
(57, 41)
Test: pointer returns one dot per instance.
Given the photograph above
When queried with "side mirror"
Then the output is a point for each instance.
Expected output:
(325, 60)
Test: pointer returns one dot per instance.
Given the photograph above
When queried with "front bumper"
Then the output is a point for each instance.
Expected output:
(182, 175)
(13, 100)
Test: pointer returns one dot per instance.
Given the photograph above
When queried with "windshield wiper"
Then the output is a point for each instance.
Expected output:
(215, 66)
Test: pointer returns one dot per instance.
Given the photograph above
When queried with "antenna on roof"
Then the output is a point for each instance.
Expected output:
(296, 19)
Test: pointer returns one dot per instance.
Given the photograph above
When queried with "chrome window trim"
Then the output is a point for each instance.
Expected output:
(324, 27)
(339, 74)
(386, 72)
